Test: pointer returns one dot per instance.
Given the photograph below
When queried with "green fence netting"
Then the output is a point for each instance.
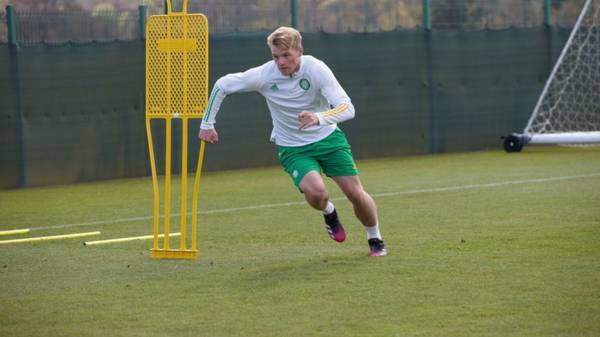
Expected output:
(76, 109)
(74, 112)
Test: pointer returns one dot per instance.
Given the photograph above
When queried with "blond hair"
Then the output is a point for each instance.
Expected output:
(285, 38)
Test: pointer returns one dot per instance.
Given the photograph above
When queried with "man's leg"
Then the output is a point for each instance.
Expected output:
(364, 206)
(316, 194)
(315, 191)
(365, 210)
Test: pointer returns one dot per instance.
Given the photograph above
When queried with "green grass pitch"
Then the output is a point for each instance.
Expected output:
(480, 244)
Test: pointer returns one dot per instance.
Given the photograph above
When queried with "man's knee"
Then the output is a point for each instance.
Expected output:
(316, 195)
(314, 190)
(356, 195)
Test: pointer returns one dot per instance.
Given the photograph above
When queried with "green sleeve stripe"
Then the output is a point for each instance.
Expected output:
(213, 95)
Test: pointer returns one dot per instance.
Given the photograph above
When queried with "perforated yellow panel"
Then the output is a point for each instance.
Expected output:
(176, 65)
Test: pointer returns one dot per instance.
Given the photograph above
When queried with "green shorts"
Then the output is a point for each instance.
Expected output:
(332, 155)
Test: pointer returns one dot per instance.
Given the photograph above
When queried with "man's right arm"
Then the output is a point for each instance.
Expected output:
(226, 85)
(214, 103)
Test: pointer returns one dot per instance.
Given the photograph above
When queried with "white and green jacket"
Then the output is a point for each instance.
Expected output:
(313, 88)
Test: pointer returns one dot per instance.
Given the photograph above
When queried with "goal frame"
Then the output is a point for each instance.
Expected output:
(515, 142)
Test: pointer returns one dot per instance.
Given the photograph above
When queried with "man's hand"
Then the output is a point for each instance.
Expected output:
(307, 119)
(209, 135)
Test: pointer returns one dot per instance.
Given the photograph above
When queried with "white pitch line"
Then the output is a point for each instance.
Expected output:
(488, 185)
(297, 203)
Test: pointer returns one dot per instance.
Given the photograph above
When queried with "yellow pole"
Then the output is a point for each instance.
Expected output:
(47, 238)
(15, 231)
(167, 181)
(195, 197)
(154, 182)
(184, 150)
(184, 141)
(168, 119)
(133, 238)
(183, 7)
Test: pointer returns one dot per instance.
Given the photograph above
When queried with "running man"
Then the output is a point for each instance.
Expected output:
(306, 103)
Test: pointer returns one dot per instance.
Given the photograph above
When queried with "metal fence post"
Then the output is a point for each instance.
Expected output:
(549, 33)
(294, 13)
(426, 15)
(429, 82)
(548, 13)
(142, 10)
(10, 23)
(16, 82)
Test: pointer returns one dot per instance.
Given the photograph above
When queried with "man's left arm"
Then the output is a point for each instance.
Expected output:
(341, 106)
(338, 114)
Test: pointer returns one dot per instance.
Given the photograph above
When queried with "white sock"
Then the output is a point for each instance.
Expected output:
(373, 232)
(329, 208)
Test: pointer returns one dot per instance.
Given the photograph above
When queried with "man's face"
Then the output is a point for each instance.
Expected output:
(288, 60)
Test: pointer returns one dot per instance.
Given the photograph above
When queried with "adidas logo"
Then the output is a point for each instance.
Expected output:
(274, 87)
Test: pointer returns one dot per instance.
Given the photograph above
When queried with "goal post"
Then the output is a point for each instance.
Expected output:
(568, 110)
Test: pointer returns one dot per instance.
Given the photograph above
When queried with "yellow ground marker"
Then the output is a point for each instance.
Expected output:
(15, 231)
(48, 238)
(133, 238)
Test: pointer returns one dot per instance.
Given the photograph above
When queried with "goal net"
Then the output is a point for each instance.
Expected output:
(568, 110)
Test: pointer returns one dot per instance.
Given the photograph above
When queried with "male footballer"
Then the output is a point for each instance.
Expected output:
(306, 103)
